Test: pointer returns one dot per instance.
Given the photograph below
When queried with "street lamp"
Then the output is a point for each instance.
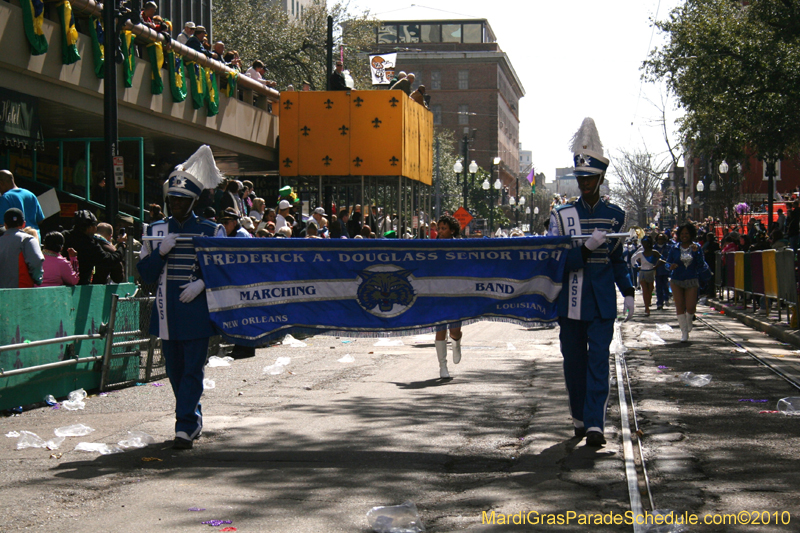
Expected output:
(521, 205)
(700, 188)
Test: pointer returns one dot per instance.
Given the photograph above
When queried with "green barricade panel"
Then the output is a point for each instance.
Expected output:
(46, 313)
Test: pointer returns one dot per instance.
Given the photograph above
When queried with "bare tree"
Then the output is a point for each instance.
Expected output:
(639, 176)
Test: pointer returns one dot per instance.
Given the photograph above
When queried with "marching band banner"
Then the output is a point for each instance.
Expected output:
(382, 68)
(259, 289)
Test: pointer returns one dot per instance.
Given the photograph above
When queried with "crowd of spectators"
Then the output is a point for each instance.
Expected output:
(88, 253)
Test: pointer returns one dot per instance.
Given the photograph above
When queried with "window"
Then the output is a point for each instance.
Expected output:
(463, 114)
(472, 33)
(463, 79)
(431, 33)
(437, 114)
(409, 33)
(292, 7)
(387, 34)
(436, 80)
(451, 33)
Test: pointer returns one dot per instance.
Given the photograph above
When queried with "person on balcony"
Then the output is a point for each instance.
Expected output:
(405, 84)
(337, 78)
(258, 72)
(195, 42)
(419, 96)
(150, 19)
(188, 31)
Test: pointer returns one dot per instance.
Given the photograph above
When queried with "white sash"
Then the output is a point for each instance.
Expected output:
(571, 225)
(161, 291)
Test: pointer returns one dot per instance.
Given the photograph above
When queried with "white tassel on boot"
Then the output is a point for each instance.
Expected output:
(456, 350)
(689, 322)
(441, 354)
(684, 327)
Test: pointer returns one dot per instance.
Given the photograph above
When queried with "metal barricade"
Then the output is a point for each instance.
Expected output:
(131, 354)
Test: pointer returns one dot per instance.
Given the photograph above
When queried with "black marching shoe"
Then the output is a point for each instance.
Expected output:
(595, 439)
(182, 444)
(580, 432)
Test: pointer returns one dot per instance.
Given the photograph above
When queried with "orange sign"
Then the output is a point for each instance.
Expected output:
(68, 210)
(463, 217)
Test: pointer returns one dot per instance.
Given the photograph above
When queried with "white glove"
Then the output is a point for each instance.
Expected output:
(191, 290)
(598, 237)
(628, 307)
(167, 244)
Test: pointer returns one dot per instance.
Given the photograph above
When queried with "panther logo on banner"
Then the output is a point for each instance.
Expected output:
(385, 290)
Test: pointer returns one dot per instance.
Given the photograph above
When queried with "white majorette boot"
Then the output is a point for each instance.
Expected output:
(684, 327)
(456, 350)
(689, 322)
(441, 354)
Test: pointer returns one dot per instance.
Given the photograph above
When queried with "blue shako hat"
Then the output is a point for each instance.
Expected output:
(197, 173)
(588, 150)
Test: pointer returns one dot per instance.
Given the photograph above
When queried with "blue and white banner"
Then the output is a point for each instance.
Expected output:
(258, 289)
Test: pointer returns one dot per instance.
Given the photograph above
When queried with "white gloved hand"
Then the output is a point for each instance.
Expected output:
(191, 290)
(628, 307)
(167, 244)
(598, 238)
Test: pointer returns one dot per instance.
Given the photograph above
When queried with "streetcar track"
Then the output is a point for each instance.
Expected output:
(634, 468)
(740, 344)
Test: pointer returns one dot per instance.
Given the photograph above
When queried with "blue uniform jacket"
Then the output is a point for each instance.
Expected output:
(604, 268)
(664, 251)
(683, 272)
(172, 319)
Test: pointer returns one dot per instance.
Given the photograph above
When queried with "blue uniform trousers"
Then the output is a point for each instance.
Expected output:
(662, 289)
(585, 347)
(185, 361)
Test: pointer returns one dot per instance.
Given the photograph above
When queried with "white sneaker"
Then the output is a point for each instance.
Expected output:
(443, 373)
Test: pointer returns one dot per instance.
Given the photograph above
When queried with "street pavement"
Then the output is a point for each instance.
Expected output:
(314, 448)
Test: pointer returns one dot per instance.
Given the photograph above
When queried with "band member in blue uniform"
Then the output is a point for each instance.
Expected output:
(587, 305)
(180, 312)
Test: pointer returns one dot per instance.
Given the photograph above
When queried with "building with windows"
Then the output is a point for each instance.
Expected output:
(295, 8)
(179, 12)
(472, 84)
(525, 160)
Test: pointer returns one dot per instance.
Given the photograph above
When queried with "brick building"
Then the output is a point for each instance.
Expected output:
(474, 89)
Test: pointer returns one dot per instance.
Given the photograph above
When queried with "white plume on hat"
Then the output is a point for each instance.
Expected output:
(587, 138)
(203, 167)
(587, 150)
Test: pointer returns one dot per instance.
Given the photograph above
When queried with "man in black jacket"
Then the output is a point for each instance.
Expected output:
(195, 42)
(337, 78)
(90, 252)
(793, 225)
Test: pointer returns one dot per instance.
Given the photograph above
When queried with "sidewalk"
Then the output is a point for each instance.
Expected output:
(767, 323)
